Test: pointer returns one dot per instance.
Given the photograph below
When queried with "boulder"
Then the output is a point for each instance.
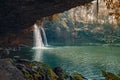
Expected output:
(9, 72)
(60, 73)
(76, 76)
(110, 76)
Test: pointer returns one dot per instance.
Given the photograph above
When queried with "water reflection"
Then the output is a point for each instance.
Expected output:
(38, 55)
(87, 60)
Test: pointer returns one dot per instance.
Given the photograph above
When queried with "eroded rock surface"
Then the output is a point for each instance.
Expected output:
(19, 14)
(9, 72)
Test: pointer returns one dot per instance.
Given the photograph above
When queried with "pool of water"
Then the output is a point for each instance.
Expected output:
(87, 60)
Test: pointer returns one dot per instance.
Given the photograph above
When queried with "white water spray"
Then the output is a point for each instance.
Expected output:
(37, 37)
(39, 42)
(44, 36)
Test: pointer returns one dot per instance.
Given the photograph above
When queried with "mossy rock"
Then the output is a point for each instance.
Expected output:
(51, 74)
(76, 76)
(28, 76)
(110, 76)
(60, 73)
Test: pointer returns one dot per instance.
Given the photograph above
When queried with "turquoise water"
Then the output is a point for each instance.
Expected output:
(87, 60)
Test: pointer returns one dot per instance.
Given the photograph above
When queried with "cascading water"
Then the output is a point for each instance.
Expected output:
(38, 42)
(44, 36)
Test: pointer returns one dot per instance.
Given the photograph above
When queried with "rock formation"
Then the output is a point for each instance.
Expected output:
(16, 15)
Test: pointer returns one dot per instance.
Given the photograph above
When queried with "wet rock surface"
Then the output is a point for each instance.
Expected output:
(60, 73)
(33, 70)
(23, 69)
(9, 72)
(110, 76)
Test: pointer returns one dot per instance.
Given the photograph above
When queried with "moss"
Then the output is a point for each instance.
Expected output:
(51, 74)
(40, 71)
(28, 76)
(76, 76)
(110, 76)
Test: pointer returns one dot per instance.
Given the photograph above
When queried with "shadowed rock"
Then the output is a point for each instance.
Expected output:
(16, 15)
(9, 72)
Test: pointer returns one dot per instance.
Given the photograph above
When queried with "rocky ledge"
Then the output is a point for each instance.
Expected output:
(22, 69)
(16, 15)
(9, 72)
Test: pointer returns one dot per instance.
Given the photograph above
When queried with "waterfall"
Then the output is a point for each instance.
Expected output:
(38, 42)
(44, 36)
